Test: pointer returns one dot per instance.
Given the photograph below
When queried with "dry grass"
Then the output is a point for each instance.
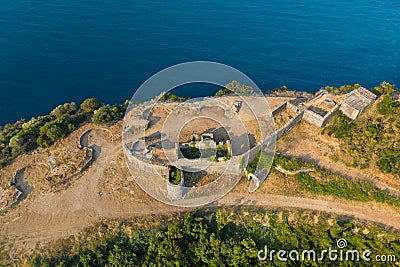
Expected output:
(283, 117)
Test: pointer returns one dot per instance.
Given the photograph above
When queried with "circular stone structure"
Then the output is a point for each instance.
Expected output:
(151, 137)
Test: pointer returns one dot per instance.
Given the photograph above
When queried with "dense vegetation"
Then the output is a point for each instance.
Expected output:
(343, 89)
(192, 152)
(21, 137)
(372, 138)
(168, 96)
(229, 237)
(222, 151)
(281, 89)
(107, 114)
(44, 131)
(175, 175)
(236, 87)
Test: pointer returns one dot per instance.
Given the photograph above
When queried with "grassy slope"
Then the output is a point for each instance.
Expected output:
(372, 140)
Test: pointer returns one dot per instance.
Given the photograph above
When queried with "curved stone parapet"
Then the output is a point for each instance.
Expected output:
(83, 139)
(257, 178)
(179, 191)
(143, 165)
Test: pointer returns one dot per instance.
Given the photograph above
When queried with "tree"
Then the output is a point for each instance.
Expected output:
(175, 176)
(55, 132)
(121, 255)
(107, 114)
(222, 92)
(385, 88)
(198, 242)
(67, 108)
(168, 96)
(90, 105)
(17, 143)
(236, 87)
(44, 141)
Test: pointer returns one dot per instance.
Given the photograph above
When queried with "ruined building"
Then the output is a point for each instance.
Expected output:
(356, 102)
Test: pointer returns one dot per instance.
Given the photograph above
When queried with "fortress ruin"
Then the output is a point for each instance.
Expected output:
(194, 148)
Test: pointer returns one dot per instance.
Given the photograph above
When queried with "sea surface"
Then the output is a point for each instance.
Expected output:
(54, 51)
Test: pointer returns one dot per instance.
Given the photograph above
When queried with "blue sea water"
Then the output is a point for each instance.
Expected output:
(53, 51)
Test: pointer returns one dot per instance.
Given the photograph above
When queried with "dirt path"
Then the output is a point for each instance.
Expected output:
(55, 217)
(363, 211)
(52, 216)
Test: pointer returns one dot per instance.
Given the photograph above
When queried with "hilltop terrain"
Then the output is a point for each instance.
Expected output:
(82, 179)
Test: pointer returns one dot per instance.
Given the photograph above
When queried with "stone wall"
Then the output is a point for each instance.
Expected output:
(279, 109)
(177, 191)
(313, 118)
(330, 114)
(279, 133)
(292, 107)
(297, 105)
(142, 165)
(356, 102)
(349, 111)
(366, 95)
(83, 139)
(316, 119)
(256, 179)
(249, 156)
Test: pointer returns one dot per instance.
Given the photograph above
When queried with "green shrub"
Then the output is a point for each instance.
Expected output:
(384, 88)
(107, 114)
(369, 136)
(65, 109)
(213, 158)
(389, 159)
(191, 152)
(175, 175)
(341, 126)
(56, 130)
(90, 105)
(261, 161)
(168, 96)
(236, 87)
(226, 158)
(388, 106)
(343, 89)
(43, 131)
(222, 151)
